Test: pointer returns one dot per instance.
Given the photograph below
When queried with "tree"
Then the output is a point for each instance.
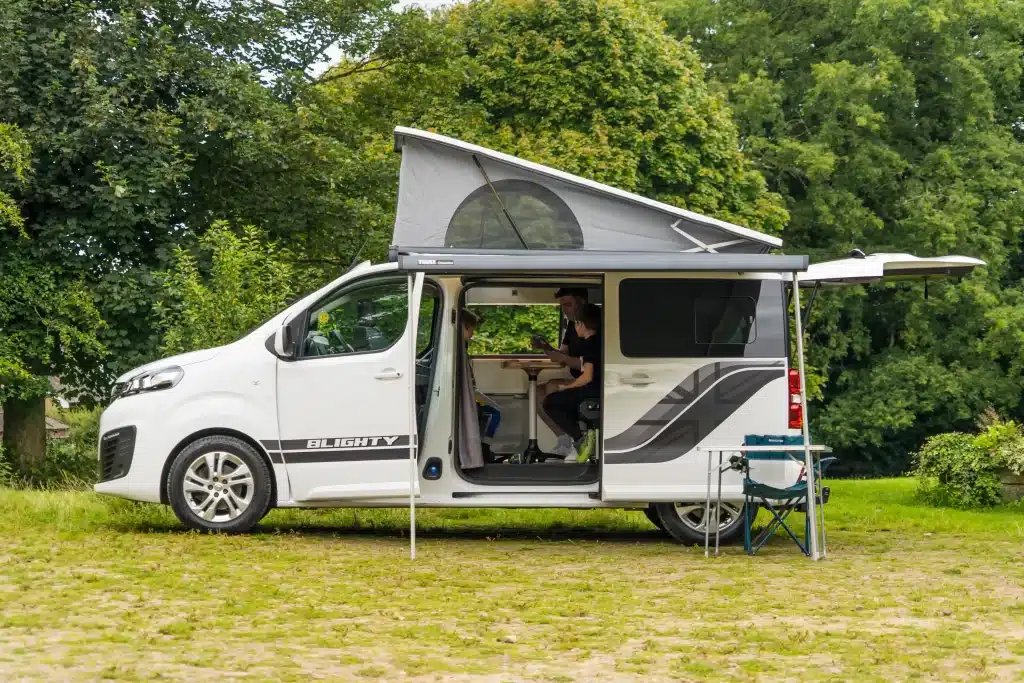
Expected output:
(593, 87)
(888, 126)
(247, 282)
(147, 121)
(46, 322)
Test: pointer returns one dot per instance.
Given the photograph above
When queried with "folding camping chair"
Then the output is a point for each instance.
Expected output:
(787, 500)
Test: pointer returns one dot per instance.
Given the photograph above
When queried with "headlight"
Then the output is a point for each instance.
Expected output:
(154, 380)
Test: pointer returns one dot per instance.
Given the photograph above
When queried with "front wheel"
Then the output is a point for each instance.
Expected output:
(685, 521)
(219, 483)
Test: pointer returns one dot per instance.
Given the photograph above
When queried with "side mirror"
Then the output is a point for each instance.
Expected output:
(283, 342)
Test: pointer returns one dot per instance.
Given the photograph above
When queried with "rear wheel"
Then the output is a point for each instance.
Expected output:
(685, 521)
(219, 483)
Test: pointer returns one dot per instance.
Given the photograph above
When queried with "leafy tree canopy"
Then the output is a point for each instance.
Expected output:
(148, 120)
(894, 125)
(593, 87)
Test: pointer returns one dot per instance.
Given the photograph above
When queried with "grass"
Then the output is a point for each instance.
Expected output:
(101, 589)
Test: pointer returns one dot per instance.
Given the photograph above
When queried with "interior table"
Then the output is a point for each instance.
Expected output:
(532, 367)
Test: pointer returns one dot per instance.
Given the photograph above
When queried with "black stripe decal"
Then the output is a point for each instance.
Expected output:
(701, 418)
(276, 458)
(350, 455)
(391, 440)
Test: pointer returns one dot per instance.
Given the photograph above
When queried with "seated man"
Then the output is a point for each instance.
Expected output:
(562, 403)
(571, 300)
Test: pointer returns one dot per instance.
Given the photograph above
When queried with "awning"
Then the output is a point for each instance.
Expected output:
(515, 261)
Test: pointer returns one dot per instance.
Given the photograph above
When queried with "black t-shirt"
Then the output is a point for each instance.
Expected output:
(588, 349)
(590, 352)
(574, 344)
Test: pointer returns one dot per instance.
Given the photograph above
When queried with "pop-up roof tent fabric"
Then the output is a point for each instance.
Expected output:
(446, 198)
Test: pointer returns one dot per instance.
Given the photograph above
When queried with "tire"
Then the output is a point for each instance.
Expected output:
(653, 517)
(219, 483)
(684, 522)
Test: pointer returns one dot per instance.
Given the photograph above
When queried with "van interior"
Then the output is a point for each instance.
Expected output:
(510, 314)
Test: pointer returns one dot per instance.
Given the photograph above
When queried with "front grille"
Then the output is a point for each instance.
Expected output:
(116, 450)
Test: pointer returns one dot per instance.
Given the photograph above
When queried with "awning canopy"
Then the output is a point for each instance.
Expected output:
(454, 194)
(517, 261)
(874, 267)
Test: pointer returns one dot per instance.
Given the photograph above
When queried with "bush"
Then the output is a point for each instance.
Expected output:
(6, 471)
(70, 462)
(963, 470)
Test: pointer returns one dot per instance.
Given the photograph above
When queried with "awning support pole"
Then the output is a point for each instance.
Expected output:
(811, 470)
(415, 286)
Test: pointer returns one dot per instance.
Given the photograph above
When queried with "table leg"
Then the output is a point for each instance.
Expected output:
(533, 451)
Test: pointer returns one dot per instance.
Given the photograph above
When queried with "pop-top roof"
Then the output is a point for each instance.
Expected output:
(454, 194)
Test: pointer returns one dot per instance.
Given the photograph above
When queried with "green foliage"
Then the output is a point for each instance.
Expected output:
(509, 329)
(147, 119)
(83, 431)
(961, 470)
(14, 157)
(47, 321)
(888, 126)
(70, 463)
(247, 282)
(592, 87)
(7, 478)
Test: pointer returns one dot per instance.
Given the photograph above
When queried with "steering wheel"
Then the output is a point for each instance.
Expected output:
(335, 335)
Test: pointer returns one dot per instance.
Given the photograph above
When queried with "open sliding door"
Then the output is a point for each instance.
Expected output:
(689, 360)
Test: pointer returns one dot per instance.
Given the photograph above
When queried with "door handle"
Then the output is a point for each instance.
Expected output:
(388, 374)
(638, 380)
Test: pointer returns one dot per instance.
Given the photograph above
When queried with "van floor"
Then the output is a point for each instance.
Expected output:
(542, 473)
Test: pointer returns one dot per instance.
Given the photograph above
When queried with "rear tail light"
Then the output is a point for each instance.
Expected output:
(796, 416)
(796, 409)
(794, 382)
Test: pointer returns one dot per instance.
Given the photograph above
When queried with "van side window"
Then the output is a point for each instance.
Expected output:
(724, 320)
(689, 318)
(364, 318)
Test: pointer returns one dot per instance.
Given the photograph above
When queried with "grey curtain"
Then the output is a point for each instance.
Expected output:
(471, 454)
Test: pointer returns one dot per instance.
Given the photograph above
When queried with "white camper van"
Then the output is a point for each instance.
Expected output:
(360, 393)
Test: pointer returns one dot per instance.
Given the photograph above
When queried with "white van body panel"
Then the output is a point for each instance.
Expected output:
(658, 410)
(344, 419)
(231, 388)
(233, 391)
(244, 389)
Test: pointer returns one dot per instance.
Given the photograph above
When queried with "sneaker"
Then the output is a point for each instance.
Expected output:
(586, 446)
(563, 446)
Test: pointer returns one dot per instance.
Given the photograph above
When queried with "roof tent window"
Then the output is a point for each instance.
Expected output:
(544, 220)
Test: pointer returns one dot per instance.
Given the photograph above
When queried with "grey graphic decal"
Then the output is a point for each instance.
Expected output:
(690, 412)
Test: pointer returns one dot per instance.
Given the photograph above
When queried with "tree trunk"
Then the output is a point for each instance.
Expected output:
(25, 432)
